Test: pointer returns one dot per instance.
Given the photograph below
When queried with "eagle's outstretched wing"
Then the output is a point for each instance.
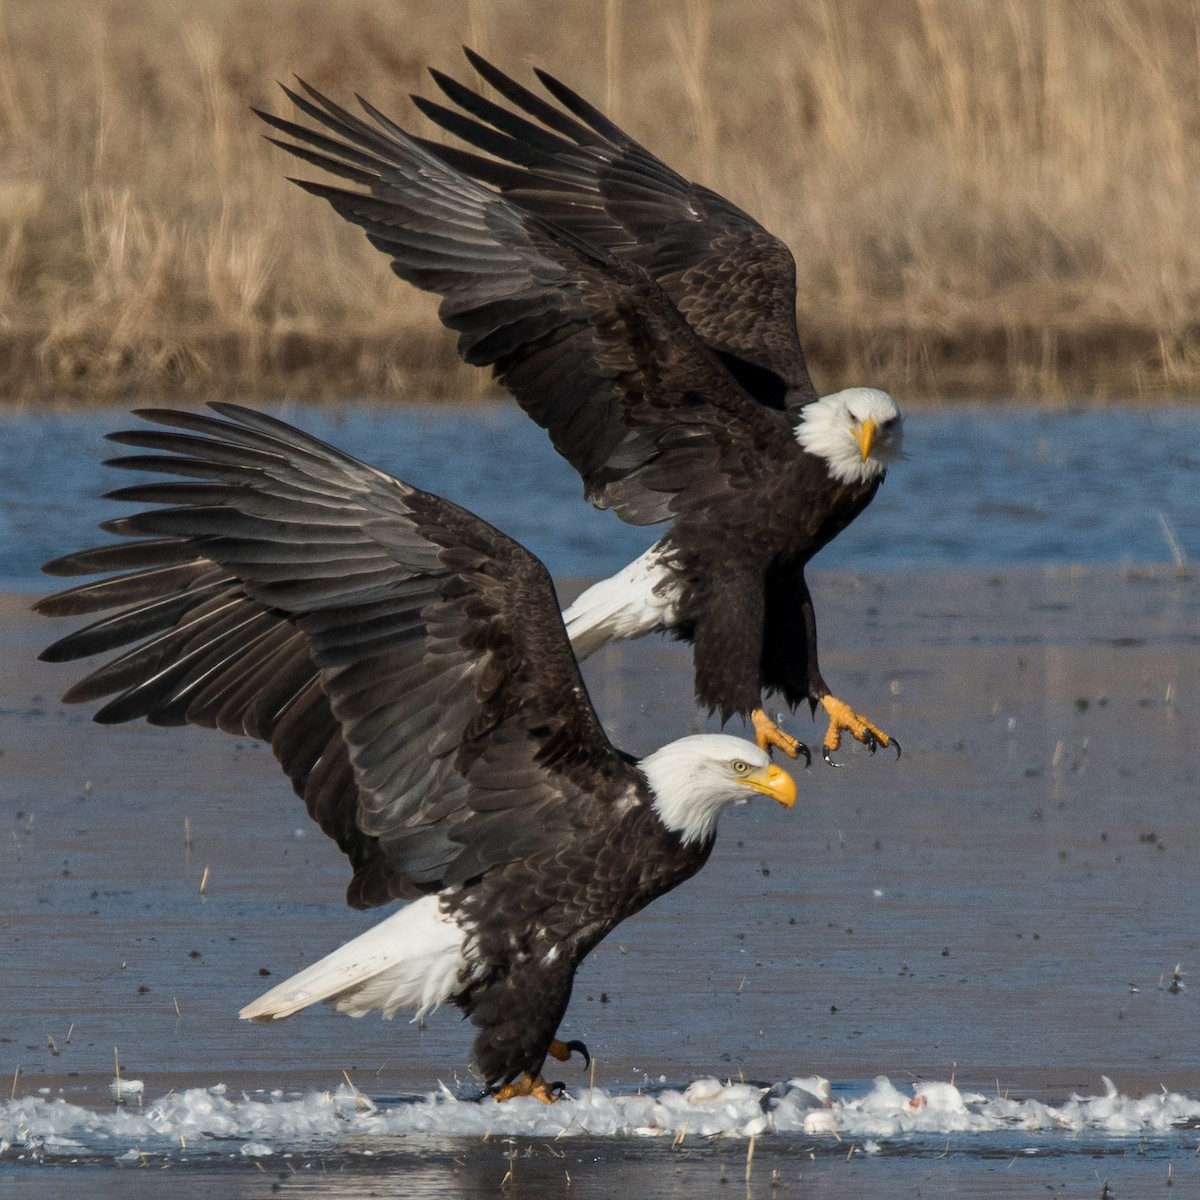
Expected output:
(733, 280)
(405, 660)
(590, 344)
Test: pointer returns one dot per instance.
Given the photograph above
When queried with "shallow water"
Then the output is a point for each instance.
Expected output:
(981, 488)
(1004, 907)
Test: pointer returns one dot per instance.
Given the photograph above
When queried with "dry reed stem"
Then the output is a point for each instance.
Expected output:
(982, 197)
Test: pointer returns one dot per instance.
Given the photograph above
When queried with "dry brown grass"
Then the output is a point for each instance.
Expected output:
(984, 196)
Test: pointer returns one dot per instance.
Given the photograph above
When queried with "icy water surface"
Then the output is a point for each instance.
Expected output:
(954, 975)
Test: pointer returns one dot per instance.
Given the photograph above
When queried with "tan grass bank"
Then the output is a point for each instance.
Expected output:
(991, 198)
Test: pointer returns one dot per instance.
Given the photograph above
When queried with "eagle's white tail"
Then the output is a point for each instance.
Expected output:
(637, 600)
(412, 960)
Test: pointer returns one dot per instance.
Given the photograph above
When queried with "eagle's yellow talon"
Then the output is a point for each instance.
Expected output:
(842, 718)
(527, 1085)
(769, 736)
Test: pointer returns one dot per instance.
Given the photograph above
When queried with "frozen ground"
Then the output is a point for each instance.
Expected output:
(1004, 908)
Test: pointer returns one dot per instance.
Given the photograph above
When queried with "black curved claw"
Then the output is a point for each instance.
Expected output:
(801, 750)
(562, 1051)
(871, 742)
(557, 1089)
(577, 1047)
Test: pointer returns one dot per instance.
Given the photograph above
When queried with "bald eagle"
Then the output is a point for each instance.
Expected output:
(649, 325)
(409, 667)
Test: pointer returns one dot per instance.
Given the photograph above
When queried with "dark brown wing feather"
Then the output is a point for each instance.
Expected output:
(406, 661)
(590, 344)
(733, 280)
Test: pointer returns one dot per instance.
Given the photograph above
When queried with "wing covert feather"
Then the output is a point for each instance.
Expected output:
(732, 279)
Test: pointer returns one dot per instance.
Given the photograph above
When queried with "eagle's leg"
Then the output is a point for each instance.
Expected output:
(563, 1051)
(768, 734)
(528, 1085)
(843, 719)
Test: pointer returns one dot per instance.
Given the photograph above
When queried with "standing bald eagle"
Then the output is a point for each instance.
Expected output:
(409, 667)
(649, 325)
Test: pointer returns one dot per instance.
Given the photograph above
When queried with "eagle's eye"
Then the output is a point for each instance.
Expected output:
(739, 767)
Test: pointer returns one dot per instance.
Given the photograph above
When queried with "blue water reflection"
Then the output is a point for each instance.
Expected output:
(981, 488)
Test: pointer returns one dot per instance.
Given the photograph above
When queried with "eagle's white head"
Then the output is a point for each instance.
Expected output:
(858, 432)
(693, 779)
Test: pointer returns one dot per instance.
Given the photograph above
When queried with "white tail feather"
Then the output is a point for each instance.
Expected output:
(637, 600)
(414, 959)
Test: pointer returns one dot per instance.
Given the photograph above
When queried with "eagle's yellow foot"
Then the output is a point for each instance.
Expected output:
(768, 735)
(843, 719)
(563, 1051)
(527, 1085)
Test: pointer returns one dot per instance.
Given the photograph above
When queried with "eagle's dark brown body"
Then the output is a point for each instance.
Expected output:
(758, 594)
(561, 906)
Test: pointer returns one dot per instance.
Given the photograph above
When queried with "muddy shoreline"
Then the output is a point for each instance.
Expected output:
(1025, 361)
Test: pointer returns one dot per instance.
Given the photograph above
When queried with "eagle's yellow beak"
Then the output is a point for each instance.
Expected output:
(864, 435)
(775, 782)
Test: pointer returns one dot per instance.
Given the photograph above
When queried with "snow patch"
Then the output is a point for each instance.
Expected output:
(197, 1123)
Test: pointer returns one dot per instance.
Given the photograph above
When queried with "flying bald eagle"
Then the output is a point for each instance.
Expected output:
(649, 325)
(409, 667)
